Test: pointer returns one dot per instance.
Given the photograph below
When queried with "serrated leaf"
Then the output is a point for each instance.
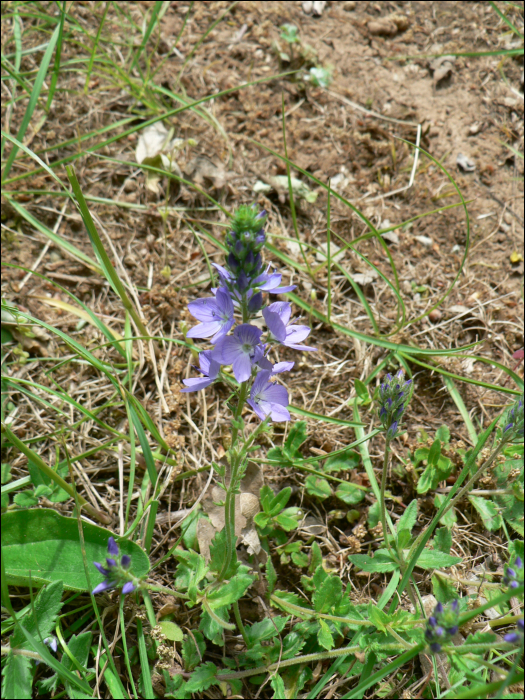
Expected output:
(271, 576)
(213, 630)
(230, 592)
(202, 678)
(341, 462)
(325, 636)
(435, 452)
(409, 517)
(171, 631)
(433, 559)
(349, 493)
(488, 512)
(44, 546)
(380, 563)
(18, 677)
(40, 621)
(328, 595)
(318, 487)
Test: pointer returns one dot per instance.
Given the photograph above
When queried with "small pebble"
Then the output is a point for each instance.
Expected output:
(435, 315)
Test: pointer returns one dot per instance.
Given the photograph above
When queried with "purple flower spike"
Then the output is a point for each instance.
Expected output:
(455, 605)
(52, 643)
(270, 283)
(209, 368)
(436, 648)
(277, 316)
(216, 315)
(438, 609)
(114, 574)
(512, 638)
(518, 563)
(241, 350)
(269, 399)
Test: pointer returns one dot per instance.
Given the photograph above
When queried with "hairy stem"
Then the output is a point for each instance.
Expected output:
(383, 503)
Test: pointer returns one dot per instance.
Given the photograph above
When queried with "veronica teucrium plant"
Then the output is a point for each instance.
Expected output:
(232, 319)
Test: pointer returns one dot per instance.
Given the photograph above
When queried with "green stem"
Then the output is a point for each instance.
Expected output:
(239, 622)
(236, 457)
(383, 503)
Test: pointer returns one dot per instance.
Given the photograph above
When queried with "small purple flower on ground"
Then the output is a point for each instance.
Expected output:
(517, 636)
(277, 316)
(216, 314)
(241, 350)
(114, 573)
(442, 625)
(209, 368)
(514, 575)
(269, 399)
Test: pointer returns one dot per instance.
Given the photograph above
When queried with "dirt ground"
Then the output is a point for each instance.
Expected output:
(383, 88)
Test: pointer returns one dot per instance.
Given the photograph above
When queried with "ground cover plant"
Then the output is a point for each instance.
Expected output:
(262, 393)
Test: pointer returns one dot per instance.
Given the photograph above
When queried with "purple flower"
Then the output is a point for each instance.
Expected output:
(209, 368)
(241, 350)
(113, 572)
(216, 314)
(269, 399)
(270, 283)
(277, 316)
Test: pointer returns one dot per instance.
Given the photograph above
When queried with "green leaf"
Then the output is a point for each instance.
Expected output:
(450, 517)
(300, 559)
(277, 684)
(279, 501)
(443, 434)
(171, 631)
(261, 519)
(218, 554)
(6, 473)
(40, 621)
(230, 592)
(433, 559)
(286, 521)
(328, 594)
(191, 654)
(266, 497)
(374, 514)
(271, 576)
(324, 636)
(202, 678)
(377, 617)
(426, 479)
(403, 538)
(316, 558)
(488, 512)
(341, 462)
(18, 677)
(295, 439)
(318, 487)
(25, 499)
(43, 546)
(349, 493)
(380, 563)
(443, 590)
(409, 517)
(266, 629)
(362, 392)
(79, 646)
(443, 539)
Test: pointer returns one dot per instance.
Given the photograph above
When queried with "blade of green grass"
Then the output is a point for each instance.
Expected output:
(158, 11)
(456, 397)
(56, 68)
(95, 47)
(35, 94)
